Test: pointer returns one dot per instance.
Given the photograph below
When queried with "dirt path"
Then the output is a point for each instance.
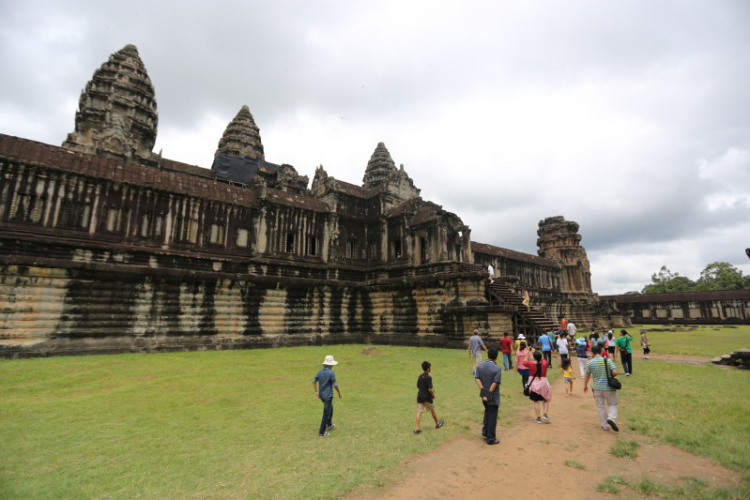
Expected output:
(530, 459)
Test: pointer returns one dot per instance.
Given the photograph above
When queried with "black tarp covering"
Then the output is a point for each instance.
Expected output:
(233, 169)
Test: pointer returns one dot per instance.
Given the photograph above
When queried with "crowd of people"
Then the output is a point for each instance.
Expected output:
(596, 354)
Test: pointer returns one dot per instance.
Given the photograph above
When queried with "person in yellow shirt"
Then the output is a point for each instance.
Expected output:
(567, 370)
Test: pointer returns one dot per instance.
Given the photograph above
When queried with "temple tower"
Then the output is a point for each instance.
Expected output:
(559, 240)
(117, 114)
(242, 137)
(380, 167)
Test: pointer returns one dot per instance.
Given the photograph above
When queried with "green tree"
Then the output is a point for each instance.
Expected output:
(721, 276)
(665, 281)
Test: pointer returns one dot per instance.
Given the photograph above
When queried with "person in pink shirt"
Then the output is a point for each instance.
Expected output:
(540, 390)
(521, 355)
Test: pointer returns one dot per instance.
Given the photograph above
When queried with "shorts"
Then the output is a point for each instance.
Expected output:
(477, 357)
(422, 407)
(535, 397)
(611, 350)
(568, 379)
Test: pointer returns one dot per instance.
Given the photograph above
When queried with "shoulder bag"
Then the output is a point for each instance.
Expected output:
(611, 381)
(527, 387)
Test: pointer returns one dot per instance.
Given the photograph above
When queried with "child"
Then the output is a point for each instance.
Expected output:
(425, 395)
(568, 375)
(645, 344)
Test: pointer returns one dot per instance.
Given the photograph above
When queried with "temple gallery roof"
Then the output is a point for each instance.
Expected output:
(55, 158)
(511, 254)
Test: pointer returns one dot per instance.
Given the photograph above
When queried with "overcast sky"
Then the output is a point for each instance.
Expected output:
(631, 118)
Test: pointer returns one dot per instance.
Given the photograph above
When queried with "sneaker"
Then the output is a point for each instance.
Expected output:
(331, 427)
(323, 435)
(538, 420)
(547, 419)
(417, 431)
(439, 424)
(613, 424)
(627, 374)
(494, 441)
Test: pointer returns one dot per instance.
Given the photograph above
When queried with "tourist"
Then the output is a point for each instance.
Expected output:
(488, 381)
(425, 397)
(645, 344)
(582, 352)
(562, 346)
(506, 347)
(491, 272)
(526, 299)
(521, 355)
(605, 396)
(563, 324)
(326, 378)
(552, 339)
(519, 339)
(540, 392)
(476, 345)
(626, 352)
(546, 347)
(571, 329)
(611, 345)
(567, 370)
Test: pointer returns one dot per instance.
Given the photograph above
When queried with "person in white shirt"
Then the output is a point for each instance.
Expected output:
(571, 329)
(562, 346)
(491, 271)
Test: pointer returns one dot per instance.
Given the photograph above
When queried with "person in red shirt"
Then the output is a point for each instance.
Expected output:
(540, 390)
(506, 346)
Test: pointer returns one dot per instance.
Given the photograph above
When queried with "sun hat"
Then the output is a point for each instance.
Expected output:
(521, 337)
(330, 361)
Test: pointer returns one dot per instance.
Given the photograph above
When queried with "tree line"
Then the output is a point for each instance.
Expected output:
(716, 276)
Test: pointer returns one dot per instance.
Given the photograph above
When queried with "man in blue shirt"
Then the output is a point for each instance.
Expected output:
(546, 349)
(488, 381)
(327, 380)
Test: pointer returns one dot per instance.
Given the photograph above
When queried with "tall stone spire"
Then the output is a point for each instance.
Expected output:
(117, 110)
(242, 137)
(379, 168)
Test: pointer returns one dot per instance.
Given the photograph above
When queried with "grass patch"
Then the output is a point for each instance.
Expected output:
(611, 485)
(701, 409)
(689, 488)
(624, 449)
(575, 465)
(700, 340)
(229, 424)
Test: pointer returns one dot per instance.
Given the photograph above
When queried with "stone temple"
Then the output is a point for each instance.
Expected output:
(108, 247)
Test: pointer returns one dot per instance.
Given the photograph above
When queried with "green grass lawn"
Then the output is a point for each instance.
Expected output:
(701, 340)
(233, 424)
(243, 424)
(703, 409)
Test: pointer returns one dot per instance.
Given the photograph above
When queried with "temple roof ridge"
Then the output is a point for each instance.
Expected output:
(117, 113)
(380, 167)
(242, 137)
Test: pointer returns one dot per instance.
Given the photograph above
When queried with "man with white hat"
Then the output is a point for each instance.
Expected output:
(327, 380)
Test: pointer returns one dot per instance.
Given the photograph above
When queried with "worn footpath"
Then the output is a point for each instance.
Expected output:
(530, 461)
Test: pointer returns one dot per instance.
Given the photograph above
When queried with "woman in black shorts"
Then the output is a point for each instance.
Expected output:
(611, 345)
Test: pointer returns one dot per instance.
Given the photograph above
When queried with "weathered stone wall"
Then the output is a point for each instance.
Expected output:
(717, 307)
(60, 299)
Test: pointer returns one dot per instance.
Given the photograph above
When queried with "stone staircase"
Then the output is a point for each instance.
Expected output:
(739, 358)
(531, 322)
